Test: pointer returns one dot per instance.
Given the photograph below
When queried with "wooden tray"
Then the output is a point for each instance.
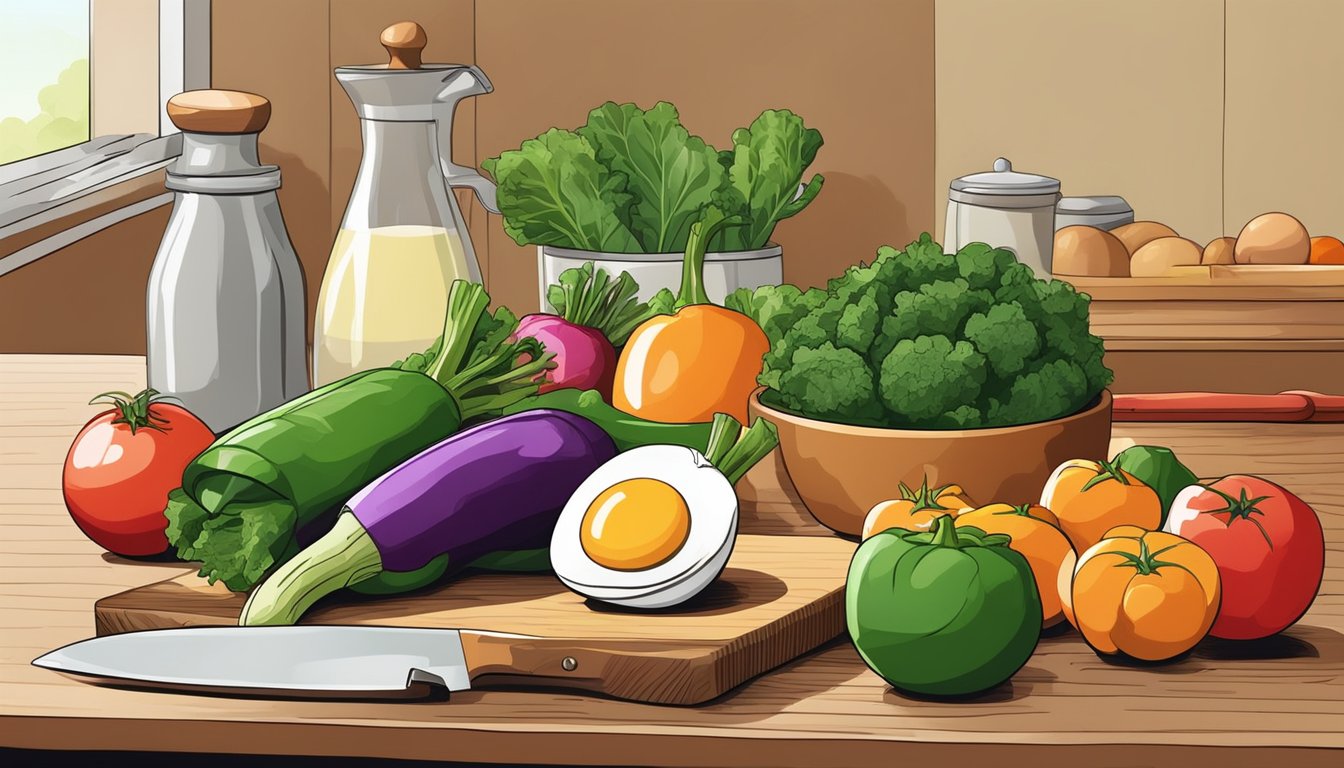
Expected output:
(780, 597)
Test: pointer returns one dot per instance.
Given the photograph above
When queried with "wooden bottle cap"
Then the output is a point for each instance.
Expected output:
(404, 41)
(211, 111)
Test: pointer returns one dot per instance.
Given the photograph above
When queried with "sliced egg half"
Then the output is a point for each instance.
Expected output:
(651, 528)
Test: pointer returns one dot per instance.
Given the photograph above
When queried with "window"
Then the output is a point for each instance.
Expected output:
(82, 99)
(44, 96)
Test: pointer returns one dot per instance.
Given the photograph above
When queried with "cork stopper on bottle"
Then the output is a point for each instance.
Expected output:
(213, 111)
(404, 41)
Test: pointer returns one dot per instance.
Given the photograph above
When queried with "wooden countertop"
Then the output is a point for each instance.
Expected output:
(1278, 701)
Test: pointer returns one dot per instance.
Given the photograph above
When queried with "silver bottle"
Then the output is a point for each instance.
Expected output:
(225, 302)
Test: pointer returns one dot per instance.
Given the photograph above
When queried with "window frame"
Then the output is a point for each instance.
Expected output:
(57, 184)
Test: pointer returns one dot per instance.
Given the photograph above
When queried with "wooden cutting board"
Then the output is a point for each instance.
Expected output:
(778, 598)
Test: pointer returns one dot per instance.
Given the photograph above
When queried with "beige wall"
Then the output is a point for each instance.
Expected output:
(1117, 97)
(1285, 112)
(1201, 113)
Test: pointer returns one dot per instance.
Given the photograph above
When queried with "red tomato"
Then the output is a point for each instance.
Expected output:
(1268, 545)
(123, 464)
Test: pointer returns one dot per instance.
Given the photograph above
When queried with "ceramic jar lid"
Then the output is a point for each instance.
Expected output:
(1003, 180)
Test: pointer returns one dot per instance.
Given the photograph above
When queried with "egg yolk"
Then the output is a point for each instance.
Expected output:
(635, 524)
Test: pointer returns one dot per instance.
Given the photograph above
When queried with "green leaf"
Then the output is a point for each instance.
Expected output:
(587, 296)
(670, 173)
(553, 191)
(769, 159)
(661, 303)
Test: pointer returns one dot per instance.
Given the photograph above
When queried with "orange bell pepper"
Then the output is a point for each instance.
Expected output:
(1146, 594)
(1092, 497)
(1035, 535)
(915, 510)
(684, 368)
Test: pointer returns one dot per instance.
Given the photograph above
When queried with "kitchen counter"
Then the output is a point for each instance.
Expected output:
(1268, 704)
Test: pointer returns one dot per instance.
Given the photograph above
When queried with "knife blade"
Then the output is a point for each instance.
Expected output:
(374, 662)
(322, 661)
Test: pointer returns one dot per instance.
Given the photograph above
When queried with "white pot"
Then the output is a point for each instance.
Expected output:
(724, 272)
(1006, 209)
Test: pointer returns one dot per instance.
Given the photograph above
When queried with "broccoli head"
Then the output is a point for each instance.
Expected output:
(1005, 336)
(938, 308)
(1055, 389)
(922, 262)
(831, 384)
(774, 307)
(922, 379)
(858, 324)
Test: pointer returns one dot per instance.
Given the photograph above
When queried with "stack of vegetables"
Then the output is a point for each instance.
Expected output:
(250, 499)
(947, 598)
(473, 495)
(547, 400)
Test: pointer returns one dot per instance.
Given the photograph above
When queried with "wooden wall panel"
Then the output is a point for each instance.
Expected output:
(1285, 107)
(280, 50)
(1112, 98)
(859, 71)
(88, 297)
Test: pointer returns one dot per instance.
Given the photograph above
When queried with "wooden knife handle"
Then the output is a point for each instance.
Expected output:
(653, 671)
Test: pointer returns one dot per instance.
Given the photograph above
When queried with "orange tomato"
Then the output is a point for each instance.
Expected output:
(1092, 497)
(703, 360)
(1326, 250)
(686, 367)
(1035, 535)
(915, 510)
(1146, 594)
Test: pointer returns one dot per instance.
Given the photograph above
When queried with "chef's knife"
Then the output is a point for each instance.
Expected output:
(359, 662)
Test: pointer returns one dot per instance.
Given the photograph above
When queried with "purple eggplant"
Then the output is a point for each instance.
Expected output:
(498, 487)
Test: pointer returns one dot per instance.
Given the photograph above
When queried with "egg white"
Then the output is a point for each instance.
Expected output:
(712, 504)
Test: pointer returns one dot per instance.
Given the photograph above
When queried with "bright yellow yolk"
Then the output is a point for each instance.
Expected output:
(635, 524)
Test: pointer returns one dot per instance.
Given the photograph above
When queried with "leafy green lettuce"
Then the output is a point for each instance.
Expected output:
(632, 181)
(554, 192)
(768, 162)
(670, 174)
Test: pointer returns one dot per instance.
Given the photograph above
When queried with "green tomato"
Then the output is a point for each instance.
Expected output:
(946, 612)
(1159, 469)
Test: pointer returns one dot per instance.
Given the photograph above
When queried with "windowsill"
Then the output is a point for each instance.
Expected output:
(49, 201)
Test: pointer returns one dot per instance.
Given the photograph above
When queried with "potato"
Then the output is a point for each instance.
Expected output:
(1219, 250)
(1273, 238)
(1137, 234)
(1089, 252)
(1156, 258)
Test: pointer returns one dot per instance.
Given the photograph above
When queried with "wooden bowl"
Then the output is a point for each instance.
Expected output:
(841, 471)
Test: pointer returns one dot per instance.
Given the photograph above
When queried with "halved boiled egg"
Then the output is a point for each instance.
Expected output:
(650, 528)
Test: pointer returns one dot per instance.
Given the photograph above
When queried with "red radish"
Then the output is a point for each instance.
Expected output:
(584, 359)
(594, 315)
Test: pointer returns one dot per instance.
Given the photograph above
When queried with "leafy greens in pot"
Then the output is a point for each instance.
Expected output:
(633, 180)
(670, 174)
(553, 191)
(768, 161)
